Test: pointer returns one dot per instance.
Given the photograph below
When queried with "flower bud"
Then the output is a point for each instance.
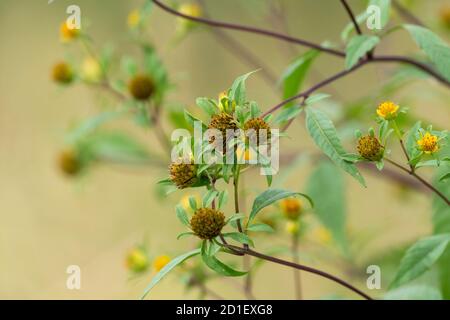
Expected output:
(62, 73)
(69, 163)
(291, 208)
(137, 260)
(370, 148)
(141, 87)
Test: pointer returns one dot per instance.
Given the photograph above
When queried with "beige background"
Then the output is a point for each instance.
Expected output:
(49, 222)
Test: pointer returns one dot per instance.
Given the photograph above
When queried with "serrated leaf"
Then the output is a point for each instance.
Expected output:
(420, 257)
(324, 134)
(270, 196)
(167, 268)
(357, 47)
(326, 187)
(237, 91)
(434, 47)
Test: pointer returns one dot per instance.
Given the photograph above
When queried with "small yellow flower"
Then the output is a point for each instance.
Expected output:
(134, 19)
(185, 201)
(160, 262)
(137, 260)
(192, 10)
(322, 235)
(68, 34)
(387, 110)
(292, 227)
(428, 143)
(91, 70)
(445, 16)
(291, 207)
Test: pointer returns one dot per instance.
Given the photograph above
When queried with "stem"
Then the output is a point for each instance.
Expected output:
(424, 182)
(267, 33)
(297, 276)
(352, 16)
(297, 266)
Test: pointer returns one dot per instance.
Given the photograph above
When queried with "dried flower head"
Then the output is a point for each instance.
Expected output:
(388, 110)
(370, 148)
(137, 260)
(69, 162)
(62, 73)
(183, 175)
(160, 262)
(259, 126)
(68, 34)
(207, 223)
(141, 87)
(291, 208)
(428, 143)
(222, 122)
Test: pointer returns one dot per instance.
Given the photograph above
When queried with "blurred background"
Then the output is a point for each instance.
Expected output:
(50, 221)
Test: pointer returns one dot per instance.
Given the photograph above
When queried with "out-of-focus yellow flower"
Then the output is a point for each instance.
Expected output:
(445, 15)
(160, 262)
(322, 235)
(189, 9)
(68, 34)
(137, 260)
(91, 70)
(291, 207)
(243, 154)
(387, 110)
(185, 201)
(292, 227)
(134, 19)
(428, 143)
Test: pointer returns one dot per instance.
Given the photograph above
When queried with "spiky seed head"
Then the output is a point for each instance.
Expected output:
(141, 87)
(222, 122)
(183, 175)
(207, 223)
(62, 73)
(258, 124)
(370, 148)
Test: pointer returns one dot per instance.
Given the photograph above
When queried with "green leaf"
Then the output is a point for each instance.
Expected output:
(411, 143)
(239, 237)
(216, 265)
(316, 98)
(129, 66)
(444, 177)
(287, 114)
(237, 91)
(295, 74)
(182, 215)
(235, 217)
(209, 197)
(207, 105)
(434, 47)
(184, 234)
(420, 257)
(167, 268)
(191, 120)
(223, 198)
(260, 227)
(193, 203)
(357, 47)
(414, 292)
(324, 134)
(326, 187)
(270, 196)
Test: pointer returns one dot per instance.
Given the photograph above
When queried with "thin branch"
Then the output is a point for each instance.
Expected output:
(352, 16)
(297, 275)
(249, 29)
(423, 181)
(299, 267)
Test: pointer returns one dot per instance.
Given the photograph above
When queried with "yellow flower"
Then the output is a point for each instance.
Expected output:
(134, 18)
(137, 260)
(291, 207)
(428, 143)
(160, 262)
(293, 227)
(68, 34)
(192, 10)
(91, 70)
(445, 16)
(185, 201)
(387, 110)
(322, 235)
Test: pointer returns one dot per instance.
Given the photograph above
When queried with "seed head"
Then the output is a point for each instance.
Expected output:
(222, 122)
(62, 73)
(69, 163)
(370, 148)
(183, 175)
(258, 124)
(207, 223)
(141, 87)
